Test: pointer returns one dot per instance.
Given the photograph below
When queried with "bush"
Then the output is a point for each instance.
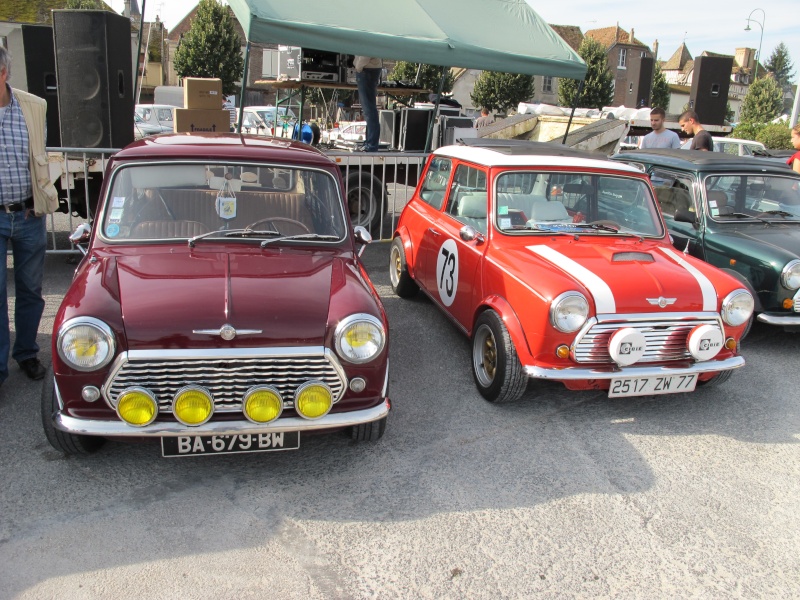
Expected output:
(747, 131)
(776, 136)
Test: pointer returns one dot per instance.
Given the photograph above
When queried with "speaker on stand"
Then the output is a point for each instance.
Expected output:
(95, 82)
(710, 83)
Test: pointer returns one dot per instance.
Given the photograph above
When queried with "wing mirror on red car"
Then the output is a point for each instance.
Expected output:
(686, 216)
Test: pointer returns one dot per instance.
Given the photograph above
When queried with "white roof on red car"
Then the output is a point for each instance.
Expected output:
(539, 156)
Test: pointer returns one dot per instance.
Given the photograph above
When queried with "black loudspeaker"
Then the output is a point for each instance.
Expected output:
(95, 79)
(390, 127)
(640, 82)
(33, 70)
(710, 82)
(414, 124)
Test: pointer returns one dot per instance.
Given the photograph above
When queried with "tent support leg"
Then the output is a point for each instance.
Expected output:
(244, 87)
(429, 139)
(138, 54)
(572, 114)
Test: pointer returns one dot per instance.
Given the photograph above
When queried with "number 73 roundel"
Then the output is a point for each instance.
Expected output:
(447, 272)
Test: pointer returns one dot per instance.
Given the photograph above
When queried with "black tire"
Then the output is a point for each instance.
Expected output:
(402, 282)
(366, 197)
(718, 379)
(495, 364)
(369, 432)
(68, 443)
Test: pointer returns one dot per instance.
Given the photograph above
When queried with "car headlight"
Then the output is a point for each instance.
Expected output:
(737, 307)
(790, 276)
(85, 343)
(359, 338)
(569, 312)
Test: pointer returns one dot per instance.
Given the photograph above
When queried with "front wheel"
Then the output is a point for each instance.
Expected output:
(717, 379)
(495, 364)
(369, 432)
(68, 443)
(402, 282)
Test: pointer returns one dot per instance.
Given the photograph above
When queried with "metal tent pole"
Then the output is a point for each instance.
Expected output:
(138, 53)
(572, 113)
(429, 139)
(244, 88)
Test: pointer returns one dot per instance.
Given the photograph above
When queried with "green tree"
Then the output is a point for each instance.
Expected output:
(598, 88)
(660, 89)
(211, 47)
(429, 77)
(780, 65)
(83, 4)
(501, 91)
(763, 101)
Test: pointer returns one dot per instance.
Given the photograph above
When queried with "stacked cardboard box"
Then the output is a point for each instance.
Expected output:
(202, 112)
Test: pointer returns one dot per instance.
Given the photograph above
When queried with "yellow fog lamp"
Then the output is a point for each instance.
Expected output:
(313, 400)
(262, 404)
(137, 406)
(193, 405)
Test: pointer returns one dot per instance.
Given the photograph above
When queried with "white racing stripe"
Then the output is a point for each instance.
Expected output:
(602, 294)
(706, 287)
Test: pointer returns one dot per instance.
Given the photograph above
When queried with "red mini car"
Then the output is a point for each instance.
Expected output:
(220, 306)
(558, 266)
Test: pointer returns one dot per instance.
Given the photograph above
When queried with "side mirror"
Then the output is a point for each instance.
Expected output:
(363, 237)
(80, 237)
(469, 234)
(685, 216)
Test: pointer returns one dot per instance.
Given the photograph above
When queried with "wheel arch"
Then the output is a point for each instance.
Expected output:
(408, 246)
(510, 319)
(745, 282)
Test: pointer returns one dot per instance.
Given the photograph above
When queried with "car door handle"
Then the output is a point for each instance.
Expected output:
(433, 231)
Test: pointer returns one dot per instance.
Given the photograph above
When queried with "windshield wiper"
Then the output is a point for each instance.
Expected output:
(779, 213)
(232, 233)
(301, 236)
(739, 215)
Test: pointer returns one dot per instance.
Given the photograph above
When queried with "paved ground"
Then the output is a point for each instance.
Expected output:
(563, 494)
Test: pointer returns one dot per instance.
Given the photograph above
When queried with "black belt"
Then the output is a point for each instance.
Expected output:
(18, 206)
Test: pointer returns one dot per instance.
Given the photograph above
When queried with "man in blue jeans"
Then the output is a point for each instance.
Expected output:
(368, 76)
(26, 196)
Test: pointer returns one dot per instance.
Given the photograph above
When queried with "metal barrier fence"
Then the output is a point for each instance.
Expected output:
(77, 174)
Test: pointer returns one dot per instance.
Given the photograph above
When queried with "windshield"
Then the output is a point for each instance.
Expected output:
(179, 201)
(575, 203)
(753, 196)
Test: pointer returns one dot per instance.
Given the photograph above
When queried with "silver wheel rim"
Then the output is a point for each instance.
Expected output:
(484, 355)
(395, 266)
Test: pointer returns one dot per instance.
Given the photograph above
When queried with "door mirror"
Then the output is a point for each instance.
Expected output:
(685, 216)
(468, 234)
(80, 237)
(362, 237)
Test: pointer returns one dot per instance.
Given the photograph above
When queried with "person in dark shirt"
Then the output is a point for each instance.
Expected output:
(690, 123)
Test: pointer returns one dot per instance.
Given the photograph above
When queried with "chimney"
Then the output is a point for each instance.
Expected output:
(655, 50)
(126, 11)
(630, 41)
(616, 33)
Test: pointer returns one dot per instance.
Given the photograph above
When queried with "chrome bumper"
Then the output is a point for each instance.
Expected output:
(580, 373)
(158, 429)
(785, 320)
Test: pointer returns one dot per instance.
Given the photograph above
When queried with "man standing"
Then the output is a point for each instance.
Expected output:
(660, 137)
(690, 123)
(484, 120)
(26, 196)
(368, 76)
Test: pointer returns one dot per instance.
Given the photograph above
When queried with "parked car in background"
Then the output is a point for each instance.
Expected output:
(739, 214)
(558, 266)
(156, 115)
(143, 129)
(733, 146)
(279, 121)
(221, 305)
(347, 135)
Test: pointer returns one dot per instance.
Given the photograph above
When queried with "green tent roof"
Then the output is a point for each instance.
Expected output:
(492, 35)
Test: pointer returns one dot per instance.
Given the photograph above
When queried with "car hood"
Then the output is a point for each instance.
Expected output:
(630, 277)
(182, 300)
(768, 243)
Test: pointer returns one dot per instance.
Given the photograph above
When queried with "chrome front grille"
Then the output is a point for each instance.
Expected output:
(665, 338)
(227, 375)
(797, 302)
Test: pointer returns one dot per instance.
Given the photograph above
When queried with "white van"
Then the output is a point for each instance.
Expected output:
(260, 120)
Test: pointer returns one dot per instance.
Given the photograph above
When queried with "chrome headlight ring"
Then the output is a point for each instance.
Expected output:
(352, 346)
(569, 311)
(85, 335)
(790, 275)
(737, 307)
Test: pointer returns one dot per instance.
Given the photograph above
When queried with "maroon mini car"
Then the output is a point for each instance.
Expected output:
(221, 305)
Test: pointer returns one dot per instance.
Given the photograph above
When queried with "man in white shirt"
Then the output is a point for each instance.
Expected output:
(660, 137)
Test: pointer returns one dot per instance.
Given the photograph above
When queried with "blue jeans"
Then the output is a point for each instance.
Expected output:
(368, 81)
(28, 236)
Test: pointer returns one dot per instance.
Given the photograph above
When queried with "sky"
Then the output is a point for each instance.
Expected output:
(713, 25)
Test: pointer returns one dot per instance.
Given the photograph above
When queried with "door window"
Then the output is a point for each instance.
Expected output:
(674, 192)
(434, 186)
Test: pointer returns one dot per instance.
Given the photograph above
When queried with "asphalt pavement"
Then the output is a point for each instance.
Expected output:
(561, 495)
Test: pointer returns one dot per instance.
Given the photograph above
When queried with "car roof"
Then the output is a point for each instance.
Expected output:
(496, 152)
(224, 147)
(699, 160)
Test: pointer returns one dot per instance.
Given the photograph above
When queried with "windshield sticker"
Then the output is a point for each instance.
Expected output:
(112, 230)
(712, 203)
(505, 223)
(447, 272)
(115, 216)
(118, 202)
(503, 210)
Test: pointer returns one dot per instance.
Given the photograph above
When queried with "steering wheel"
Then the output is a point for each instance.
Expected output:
(607, 223)
(274, 220)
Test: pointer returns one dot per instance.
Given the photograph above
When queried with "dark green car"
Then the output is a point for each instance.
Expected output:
(740, 214)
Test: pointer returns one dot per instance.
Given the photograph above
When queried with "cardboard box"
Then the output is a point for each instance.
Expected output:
(189, 120)
(202, 93)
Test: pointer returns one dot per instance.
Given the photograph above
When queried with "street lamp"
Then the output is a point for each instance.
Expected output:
(760, 24)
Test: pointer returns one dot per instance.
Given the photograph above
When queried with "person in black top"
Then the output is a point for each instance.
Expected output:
(690, 123)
